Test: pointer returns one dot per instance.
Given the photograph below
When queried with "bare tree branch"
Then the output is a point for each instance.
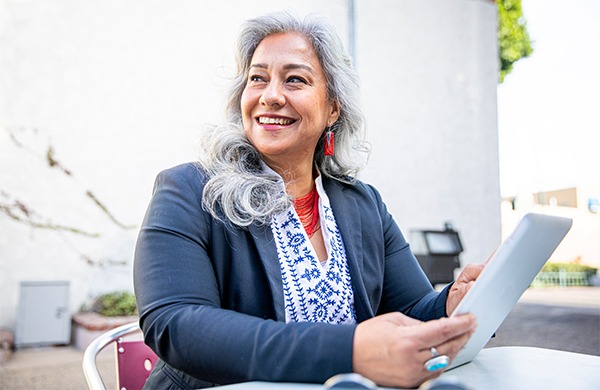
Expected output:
(19, 212)
(52, 161)
(108, 213)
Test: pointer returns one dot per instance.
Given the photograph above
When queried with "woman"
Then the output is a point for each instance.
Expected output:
(268, 260)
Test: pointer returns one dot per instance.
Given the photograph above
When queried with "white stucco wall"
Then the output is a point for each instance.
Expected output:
(429, 73)
(120, 90)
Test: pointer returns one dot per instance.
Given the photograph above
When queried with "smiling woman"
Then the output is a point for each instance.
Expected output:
(226, 155)
(268, 260)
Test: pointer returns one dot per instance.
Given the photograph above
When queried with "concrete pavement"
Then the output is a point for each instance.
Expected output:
(53, 368)
(567, 319)
(584, 297)
(558, 318)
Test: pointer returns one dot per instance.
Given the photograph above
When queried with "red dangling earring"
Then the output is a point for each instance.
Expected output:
(329, 143)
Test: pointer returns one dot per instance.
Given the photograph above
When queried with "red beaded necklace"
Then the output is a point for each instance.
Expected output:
(307, 208)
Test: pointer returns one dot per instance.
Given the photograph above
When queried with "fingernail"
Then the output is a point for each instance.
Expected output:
(472, 320)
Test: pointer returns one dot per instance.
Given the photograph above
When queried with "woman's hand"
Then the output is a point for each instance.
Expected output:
(462, 284)
(392, 349)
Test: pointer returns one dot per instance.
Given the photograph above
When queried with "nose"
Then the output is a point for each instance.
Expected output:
(273, 95)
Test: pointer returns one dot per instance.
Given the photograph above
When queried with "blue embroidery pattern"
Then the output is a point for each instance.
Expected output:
(313, 292)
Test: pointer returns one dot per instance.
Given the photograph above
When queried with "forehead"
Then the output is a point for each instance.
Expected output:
(287, 47)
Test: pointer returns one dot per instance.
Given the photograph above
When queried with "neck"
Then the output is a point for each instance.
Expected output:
(299, 179)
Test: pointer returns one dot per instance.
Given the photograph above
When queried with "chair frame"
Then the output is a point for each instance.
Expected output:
(90, 369)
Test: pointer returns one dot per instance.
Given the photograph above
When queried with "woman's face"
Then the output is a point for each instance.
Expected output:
(284, 104)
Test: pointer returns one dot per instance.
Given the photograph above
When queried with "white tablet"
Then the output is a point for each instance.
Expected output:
(507, 275)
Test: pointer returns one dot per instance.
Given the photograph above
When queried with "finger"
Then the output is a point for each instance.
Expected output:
(441, 354)
(437, 332)
(450, 348)
(462, 288)
(453, 347)
(470, 273)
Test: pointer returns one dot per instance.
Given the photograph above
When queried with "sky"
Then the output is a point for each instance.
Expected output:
(549, 106)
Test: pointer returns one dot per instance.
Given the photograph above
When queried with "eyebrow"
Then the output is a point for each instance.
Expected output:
(286, 67)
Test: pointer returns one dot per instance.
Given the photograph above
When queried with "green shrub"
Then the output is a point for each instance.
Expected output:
(118, 303)
(569, 267)
(564, 275)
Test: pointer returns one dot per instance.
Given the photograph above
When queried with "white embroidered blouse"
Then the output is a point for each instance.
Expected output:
(313, 292)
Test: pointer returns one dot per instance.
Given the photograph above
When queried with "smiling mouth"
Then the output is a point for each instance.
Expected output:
(263, 120)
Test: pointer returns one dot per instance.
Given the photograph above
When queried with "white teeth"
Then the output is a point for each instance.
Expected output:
(274, 121)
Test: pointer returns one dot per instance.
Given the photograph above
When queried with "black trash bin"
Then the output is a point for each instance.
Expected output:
(437, 251)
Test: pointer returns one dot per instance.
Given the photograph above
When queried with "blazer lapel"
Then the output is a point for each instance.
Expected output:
(265, 244)
(348, 218)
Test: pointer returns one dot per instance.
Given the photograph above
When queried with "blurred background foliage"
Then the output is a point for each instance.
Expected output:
(113, 304)
(569, 267)
(513, 39)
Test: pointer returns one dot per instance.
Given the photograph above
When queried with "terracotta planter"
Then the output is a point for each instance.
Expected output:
(89, 325)
(6, 345)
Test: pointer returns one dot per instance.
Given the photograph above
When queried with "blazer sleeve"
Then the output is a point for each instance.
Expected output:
(180, 306)
(405, 286)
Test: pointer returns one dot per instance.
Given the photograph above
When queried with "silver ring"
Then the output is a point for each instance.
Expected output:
(437, 361)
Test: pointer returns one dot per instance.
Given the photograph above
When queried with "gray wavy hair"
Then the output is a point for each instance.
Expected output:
(238, 190)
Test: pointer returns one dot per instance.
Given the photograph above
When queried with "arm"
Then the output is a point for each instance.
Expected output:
(181, 311)
(405, 286)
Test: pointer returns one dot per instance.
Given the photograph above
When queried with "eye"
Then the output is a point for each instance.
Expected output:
(296, 79)
(255, 78)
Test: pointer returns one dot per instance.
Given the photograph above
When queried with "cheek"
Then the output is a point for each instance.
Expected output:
(244, 103)
(246, 107)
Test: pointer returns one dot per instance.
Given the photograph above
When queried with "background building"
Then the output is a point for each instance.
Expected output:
(582, 204)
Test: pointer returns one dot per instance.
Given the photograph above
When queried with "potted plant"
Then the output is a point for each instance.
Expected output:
(104, 312)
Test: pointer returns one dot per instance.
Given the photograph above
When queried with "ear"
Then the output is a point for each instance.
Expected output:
(334, 114)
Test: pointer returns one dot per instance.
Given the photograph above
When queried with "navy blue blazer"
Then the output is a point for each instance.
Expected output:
(210, 295)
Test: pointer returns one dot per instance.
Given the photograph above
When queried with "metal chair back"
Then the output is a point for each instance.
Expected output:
(135, 359)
